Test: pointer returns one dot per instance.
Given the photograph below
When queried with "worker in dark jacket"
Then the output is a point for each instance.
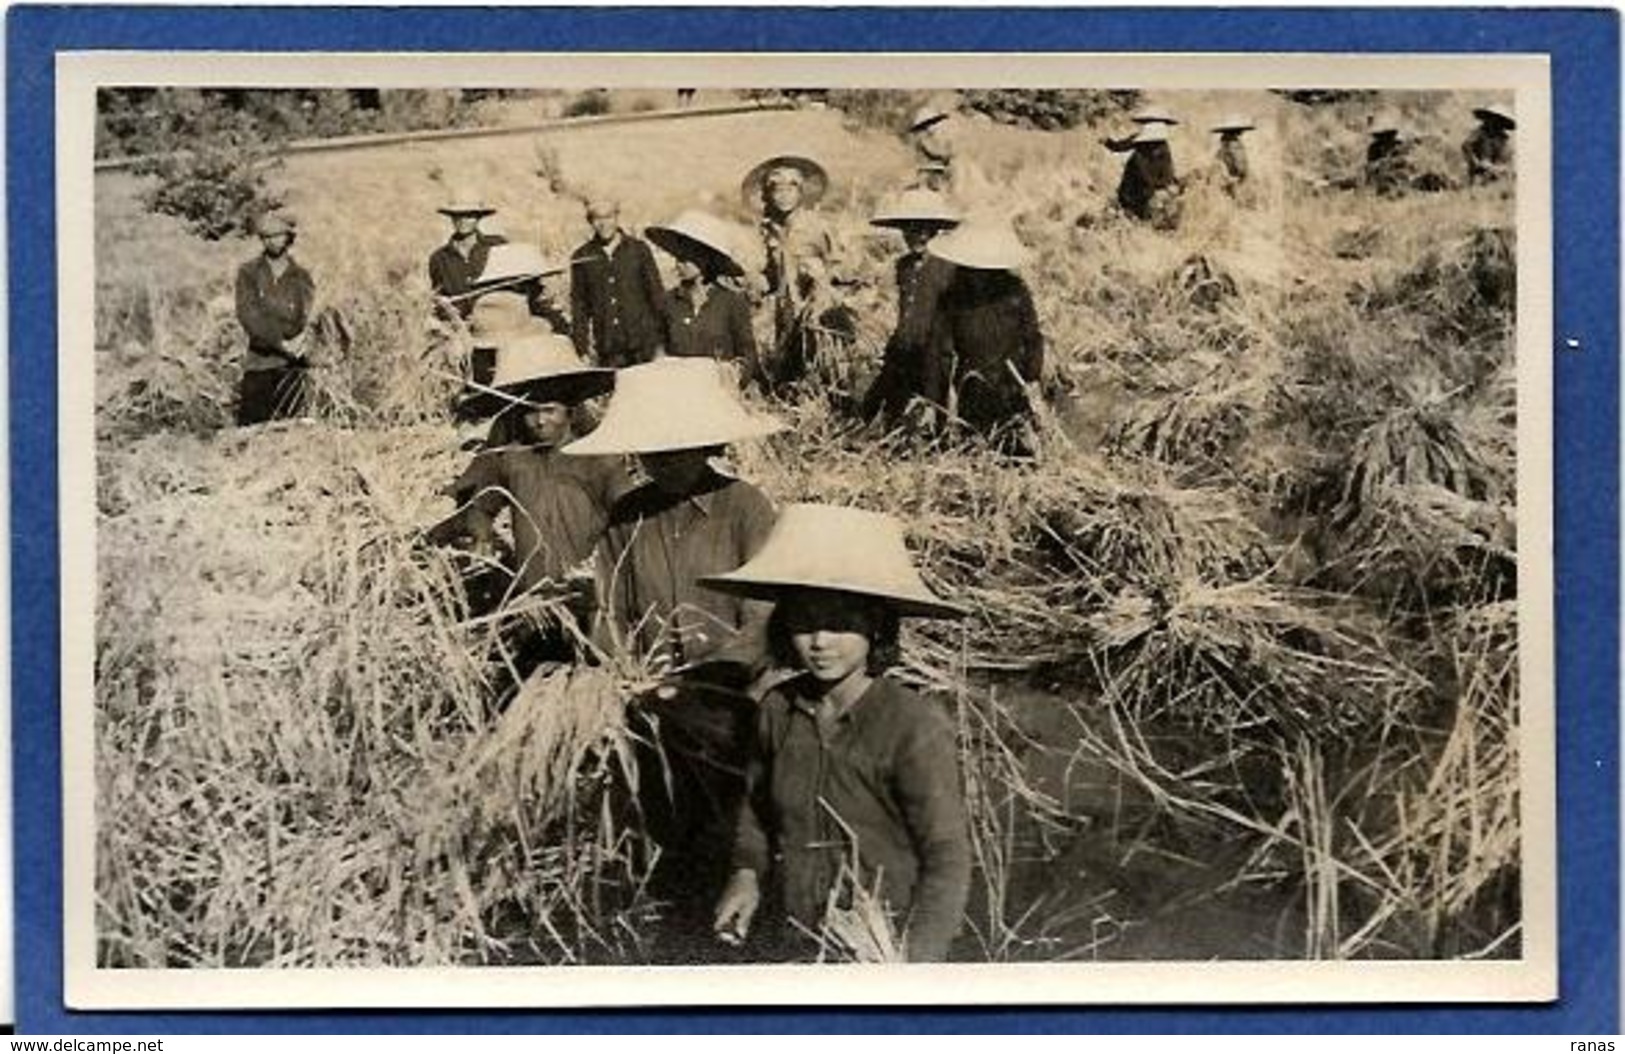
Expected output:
(1488, 151)
(1232, 154)
(854, 785)
(615, 293)
(919, 215)
(1388, 168)
(558, 506)
(929, 135)
(274, 298)
(986, 346)
(691, 518)
(1149, 183)
(455, 267)
(703, 317)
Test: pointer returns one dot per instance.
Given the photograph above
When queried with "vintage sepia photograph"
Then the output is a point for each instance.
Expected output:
(631, 512)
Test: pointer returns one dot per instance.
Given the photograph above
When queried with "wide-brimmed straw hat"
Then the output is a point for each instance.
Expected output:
(1235, 123)
(984, 245)
(516, 261)
(695, 229)
(672, 404)
(1151, 133)
(916, 205)
(1384, 124)
(1496, 115)
(538, 367)
(836, 547)
(928, 115)
(464, 202)
(499, 315)
(814, 180)
(1153, 115)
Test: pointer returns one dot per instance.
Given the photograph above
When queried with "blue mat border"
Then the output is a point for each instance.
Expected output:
(1584, 50)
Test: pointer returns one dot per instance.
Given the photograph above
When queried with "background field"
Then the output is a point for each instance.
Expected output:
(1242, 676)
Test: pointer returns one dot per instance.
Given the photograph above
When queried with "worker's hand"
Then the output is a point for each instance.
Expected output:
(737, 907)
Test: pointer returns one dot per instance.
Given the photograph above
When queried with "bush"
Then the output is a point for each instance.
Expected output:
(877, 108)
(216, 184)
(592, 103)
(1048, 109)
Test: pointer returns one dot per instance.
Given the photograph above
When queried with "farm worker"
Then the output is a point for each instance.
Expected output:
(1143, 118)
(1387, 159)
(1148, 187)
(274, 297)
(503, 299)
(919, 215)
(701, 316)
(1488, 150)
(986, 346)
(1232, 154)
(810, 325)
(615, 293)
(458, 264)
(558, 506)
(691, 518)
(850, 769)
(931, 137)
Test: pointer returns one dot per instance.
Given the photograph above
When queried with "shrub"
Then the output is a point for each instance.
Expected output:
(591, 103)
(1049, 109)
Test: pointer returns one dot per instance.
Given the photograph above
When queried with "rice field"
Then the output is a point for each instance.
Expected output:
(1241, 675)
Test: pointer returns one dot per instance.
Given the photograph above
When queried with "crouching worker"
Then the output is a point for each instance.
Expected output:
(558, 506)
(854, 784)
(691, 518)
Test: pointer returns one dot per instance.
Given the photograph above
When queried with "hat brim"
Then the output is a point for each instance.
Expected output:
(1234, 127)
(466, 210)
(1492, 117)
(568, 388)
(899, 222)
(929, 122)
(814, 185)
(681, 244)
(611, 438)
(907, 605)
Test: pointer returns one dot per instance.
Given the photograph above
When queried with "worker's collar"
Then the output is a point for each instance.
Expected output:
(803, 699)
(612, 244)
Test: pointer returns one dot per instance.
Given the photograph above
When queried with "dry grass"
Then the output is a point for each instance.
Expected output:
(1261, 562)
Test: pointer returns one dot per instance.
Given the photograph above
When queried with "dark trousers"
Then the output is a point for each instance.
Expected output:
(691, 782)
(267, 395)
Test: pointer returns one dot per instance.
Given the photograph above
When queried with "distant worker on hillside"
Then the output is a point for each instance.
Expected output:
(1488, 150)
(1143, 118)
(809, 323)
(930, 136)
(1388, 169)
(615, 293)
(274, 298)
(1232, 154)
(919, 215)
(1149, 188)
(702, 317)
(986, 345)
(456, 266)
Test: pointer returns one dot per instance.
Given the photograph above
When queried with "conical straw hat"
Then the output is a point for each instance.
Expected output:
(1235, 123)
(695, 228)
(512, 261)
(814, 180)
(916, 205)
(1153, 115)
(276, 223)
(465, 202)
(836, 547)
(539, 368)
(1496, 115)
(928, 115)
(497, 315)
(1384, 124)
(672, 404)
(981, 244)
